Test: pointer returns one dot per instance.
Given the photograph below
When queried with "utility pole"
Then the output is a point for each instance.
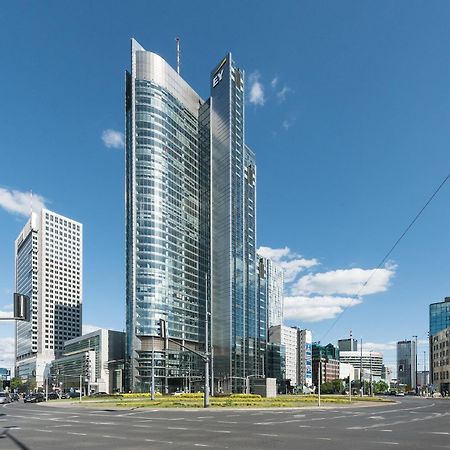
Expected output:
(361, 381)
(81, 386)
(319, 375)
(152, 388)
(371, 385)
(207, 354)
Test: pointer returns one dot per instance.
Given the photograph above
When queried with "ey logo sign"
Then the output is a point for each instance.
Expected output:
(219, 74)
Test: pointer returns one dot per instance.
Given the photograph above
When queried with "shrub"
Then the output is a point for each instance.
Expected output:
(251, 396)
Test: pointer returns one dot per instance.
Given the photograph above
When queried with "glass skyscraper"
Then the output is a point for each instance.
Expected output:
(166, 254)
(190, 226)
(406, 363)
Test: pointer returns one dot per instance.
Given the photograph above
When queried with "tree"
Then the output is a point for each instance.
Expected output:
(380, 387)
(16, 383)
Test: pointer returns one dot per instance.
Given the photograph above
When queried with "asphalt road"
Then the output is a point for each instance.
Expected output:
(412, 423)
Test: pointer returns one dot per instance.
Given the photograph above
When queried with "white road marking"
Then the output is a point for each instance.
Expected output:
(219, 431)
(386, 430)
(438, 432)
(176, 428)
(267, 434)
(225, 421)
(60, 426)
(113, 437)
(201, 445)
(142, 426)
(324, 438)
(387, 443)
(77, 434)
(103, 423)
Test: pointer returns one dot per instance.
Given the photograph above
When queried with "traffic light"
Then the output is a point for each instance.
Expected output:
(162, 329)
(21, 307)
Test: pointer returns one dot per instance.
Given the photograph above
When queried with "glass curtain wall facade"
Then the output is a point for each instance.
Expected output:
(27, 284)
(166, 254)
(439, 316)
(233, 233)
(190, 228)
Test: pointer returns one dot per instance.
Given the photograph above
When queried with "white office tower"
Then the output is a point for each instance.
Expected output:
(49, 270)
(286, 337)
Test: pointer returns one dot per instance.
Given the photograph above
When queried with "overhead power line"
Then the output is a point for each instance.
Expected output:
(386, 256)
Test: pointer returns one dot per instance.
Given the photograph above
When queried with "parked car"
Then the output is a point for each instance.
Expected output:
(400, 394)
(99, 394)
(5, 397)
(34, 398)
(72, 395)
(53, 396)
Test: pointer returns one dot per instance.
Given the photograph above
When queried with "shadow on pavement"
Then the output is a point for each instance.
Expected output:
(16, 441)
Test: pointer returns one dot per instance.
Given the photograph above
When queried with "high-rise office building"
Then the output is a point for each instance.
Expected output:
(274, 287)
(439, 316)
(167, 185)
(406, 363)
(49, 266)
(190, 226)
(286, 337)
(233, 232)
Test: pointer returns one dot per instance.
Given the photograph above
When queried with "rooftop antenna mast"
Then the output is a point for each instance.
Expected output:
(178, 55)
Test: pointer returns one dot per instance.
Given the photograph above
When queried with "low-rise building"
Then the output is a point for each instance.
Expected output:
(325, 363)
(95, 359)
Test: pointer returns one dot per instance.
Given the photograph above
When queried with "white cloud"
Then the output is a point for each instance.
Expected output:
(113, 139)
(286, 124)
(345, 282)
(281, 94)
(379, 346)
(324, 295)
(274, 82)
(315, 309)
(275, 254)
(257, 96)
(291, 263)
(18, 202)
(6, 311)
(7, 352)
(87, 328)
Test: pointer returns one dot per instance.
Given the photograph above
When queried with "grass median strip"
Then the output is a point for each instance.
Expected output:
(232, 401)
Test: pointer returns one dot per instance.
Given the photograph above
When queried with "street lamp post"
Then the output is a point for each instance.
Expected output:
(415, 365)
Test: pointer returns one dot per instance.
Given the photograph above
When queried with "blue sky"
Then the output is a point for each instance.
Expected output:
(348, 111)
